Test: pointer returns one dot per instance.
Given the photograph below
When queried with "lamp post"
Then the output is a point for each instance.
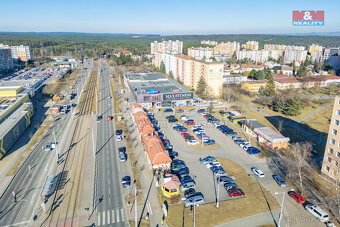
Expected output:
(283, 198)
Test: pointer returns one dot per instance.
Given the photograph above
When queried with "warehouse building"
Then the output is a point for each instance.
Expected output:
(155, 90)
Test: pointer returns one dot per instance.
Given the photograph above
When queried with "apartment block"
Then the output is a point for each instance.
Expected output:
(21, 52)
(227, 48)
(251, 45)
(209, 42)
(200, 52)
(294, 55)
(173, 47)
(274, 47)
(258, 55)
(6, 60)
(330, 164)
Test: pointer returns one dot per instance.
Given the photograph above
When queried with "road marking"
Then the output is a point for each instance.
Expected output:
(109, 191)
(117, 215)
(108, 217)
(113, 216)
(110, 201)
(148, 205)
(122, 213)
(20, 223)
(98, 219)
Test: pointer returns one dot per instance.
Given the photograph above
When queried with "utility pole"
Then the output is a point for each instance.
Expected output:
(56, 146)
(283, 199)
(135, 205)
(193, 217)
(93, 147)
(218, 195)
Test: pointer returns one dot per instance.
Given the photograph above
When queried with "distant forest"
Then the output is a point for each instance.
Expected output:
(93, 45)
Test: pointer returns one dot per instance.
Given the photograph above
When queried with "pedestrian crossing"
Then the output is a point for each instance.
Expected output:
(109, 217)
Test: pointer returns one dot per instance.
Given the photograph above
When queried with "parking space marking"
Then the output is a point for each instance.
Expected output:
(98, 221)
(113, 216)
(117, 211)
(108, 217)
(122, 213)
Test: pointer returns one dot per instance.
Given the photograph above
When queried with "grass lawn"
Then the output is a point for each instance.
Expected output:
(257, 200)
(320, 121)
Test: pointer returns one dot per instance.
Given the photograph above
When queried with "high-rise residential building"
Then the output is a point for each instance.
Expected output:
(331, 159)
(274, 47)
(227, 48)
(21, 52)
(173, 47)
(316, 52)
(209, 42)
(200, 52)
(251, 45)
(334, 60)
(258, 55)
(6, 60)
(292, 47)
(314, 47)
(294, 55)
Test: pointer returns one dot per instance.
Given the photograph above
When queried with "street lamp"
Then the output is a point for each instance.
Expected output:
(283, 198)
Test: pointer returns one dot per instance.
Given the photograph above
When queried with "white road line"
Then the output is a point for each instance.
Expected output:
(117, 211)
(150, 207)
(110, 201)
(122, 213)
(108, 217)
(20, 223)
(113, 216)
(109, 191)
(104, 218)
(98, 219)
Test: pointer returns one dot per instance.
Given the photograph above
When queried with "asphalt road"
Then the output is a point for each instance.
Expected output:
(27, 185)
(110, 210)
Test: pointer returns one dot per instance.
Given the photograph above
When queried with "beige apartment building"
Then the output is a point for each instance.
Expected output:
(251, 45)
(330, 164)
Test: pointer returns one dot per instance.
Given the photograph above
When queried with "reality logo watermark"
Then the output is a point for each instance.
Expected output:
(308, 18)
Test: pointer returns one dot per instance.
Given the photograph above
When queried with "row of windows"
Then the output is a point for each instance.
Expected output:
(332, 141)
(333, 172)
(329, 160)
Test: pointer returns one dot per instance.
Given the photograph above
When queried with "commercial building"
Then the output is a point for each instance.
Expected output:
(6, 60)
(253, 86)
(330, 164)
(227, 48)
(234, 79)
(21, 52)
(155, 90)
(251, 45)
(200, 52)
(265, 135)
(156, 154)
(173, 47)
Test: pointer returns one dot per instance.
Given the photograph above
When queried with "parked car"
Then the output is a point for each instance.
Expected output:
(239, 141)
(122, 149)
(214, 169)
(244, 144)
(119, 138)
(297, 197)
(48, 146)
(126, 181)
(253, 150)
(257, 172)
(173, 153)
(224, 179)
(279, 180)
(211, 164)
(169, 116)
(192, 142)
(188, 193)
(228, 186)
(119, 132)
(220, 173)
(235, 192)
(109, 118)
(196, 199)
(187, 185)
(207, 160)
(317, 212)
(184, 118)
(180, 111)
(122, 157)
(177, 161)
(201, 111)
(186, 179)
(182, 171)
(178, 166)
(172, 120)
(190, 122)
(168, 110)
(209, 142)
(236, 137)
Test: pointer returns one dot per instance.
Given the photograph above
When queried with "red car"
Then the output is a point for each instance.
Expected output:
(234, 192)
(297, 197)
(190, 122)
(185, 134)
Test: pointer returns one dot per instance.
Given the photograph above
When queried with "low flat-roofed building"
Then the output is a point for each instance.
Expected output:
(253, 86)
(154, 89)
(234, 79)
(10, 91)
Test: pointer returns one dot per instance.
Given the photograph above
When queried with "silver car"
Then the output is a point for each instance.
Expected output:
(196, 199)
(48, 146)
(187, 185)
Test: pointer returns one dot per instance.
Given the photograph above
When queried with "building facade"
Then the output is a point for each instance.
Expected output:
(227, 48)
(173, 47)
(251, 45)
(253, 86)
(258, 55)
(330, 164)
(200, 52)
(294, 55)
(6, 60)
(21, 52)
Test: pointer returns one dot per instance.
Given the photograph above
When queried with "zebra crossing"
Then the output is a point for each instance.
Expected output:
(109, 217)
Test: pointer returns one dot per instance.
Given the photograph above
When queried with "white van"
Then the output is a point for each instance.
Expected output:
(317, 212)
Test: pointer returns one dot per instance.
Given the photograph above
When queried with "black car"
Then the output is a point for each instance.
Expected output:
(170, 116)
(201, 111)
(171, 120)
(122, 149)
(119, 132)
(173, 153)
(177, 161)
(190, 192)
(182, 171)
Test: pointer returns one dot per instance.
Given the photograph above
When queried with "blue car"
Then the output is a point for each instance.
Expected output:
(186, 179)
(181, 172)
(253, 150)
(168, 110)
(216, 168)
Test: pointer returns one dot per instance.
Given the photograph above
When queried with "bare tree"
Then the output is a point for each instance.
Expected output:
(301, 152)
(280, 126)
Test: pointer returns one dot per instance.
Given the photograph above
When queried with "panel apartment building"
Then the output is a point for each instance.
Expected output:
(173, 47)
(190, 70)
(6, 60)
(21, 52)
(330, 164)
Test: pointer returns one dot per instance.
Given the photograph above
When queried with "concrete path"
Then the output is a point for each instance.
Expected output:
(313, 113)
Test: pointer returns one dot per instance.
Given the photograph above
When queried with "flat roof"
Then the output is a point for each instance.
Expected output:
(144, 82)
(10, 88)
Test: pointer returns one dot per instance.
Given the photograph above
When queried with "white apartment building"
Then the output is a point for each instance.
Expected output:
(173, 47)
(21, 52)
(200, 52)
(294, 55)
(258, 55)
(209, 42)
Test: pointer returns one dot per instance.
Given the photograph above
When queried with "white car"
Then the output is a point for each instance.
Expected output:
(246, 147)
(200, 126)
(192, 142)
(244, 144)
(221, 173)
(211, 164)
(184, 118)
(217, 124)
(109, 97)
(178, 124)
(119, 138)
(237, 138)
(257, 172)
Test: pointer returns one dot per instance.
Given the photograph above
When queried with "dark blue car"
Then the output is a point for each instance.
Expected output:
(186, 179)
(168, 110)
(181, 172)
(253, 150)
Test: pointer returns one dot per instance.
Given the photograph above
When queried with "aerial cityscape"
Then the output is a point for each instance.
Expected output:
(144, 113)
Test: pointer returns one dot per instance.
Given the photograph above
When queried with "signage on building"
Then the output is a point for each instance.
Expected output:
(308, 18)
(178, 96)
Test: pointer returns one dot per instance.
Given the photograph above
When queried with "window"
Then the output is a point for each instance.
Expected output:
(330, 150)
(334, 132)
(338, 154)
(334, 172)
(329, 160)
(338, 112)
(327, 168)
(336, 122)
(336, 163)
(332, 141)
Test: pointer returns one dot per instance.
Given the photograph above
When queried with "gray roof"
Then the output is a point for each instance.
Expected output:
(253, 124)
(271, 135)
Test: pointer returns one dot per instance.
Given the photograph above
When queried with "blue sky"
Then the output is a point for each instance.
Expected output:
(163, 17)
